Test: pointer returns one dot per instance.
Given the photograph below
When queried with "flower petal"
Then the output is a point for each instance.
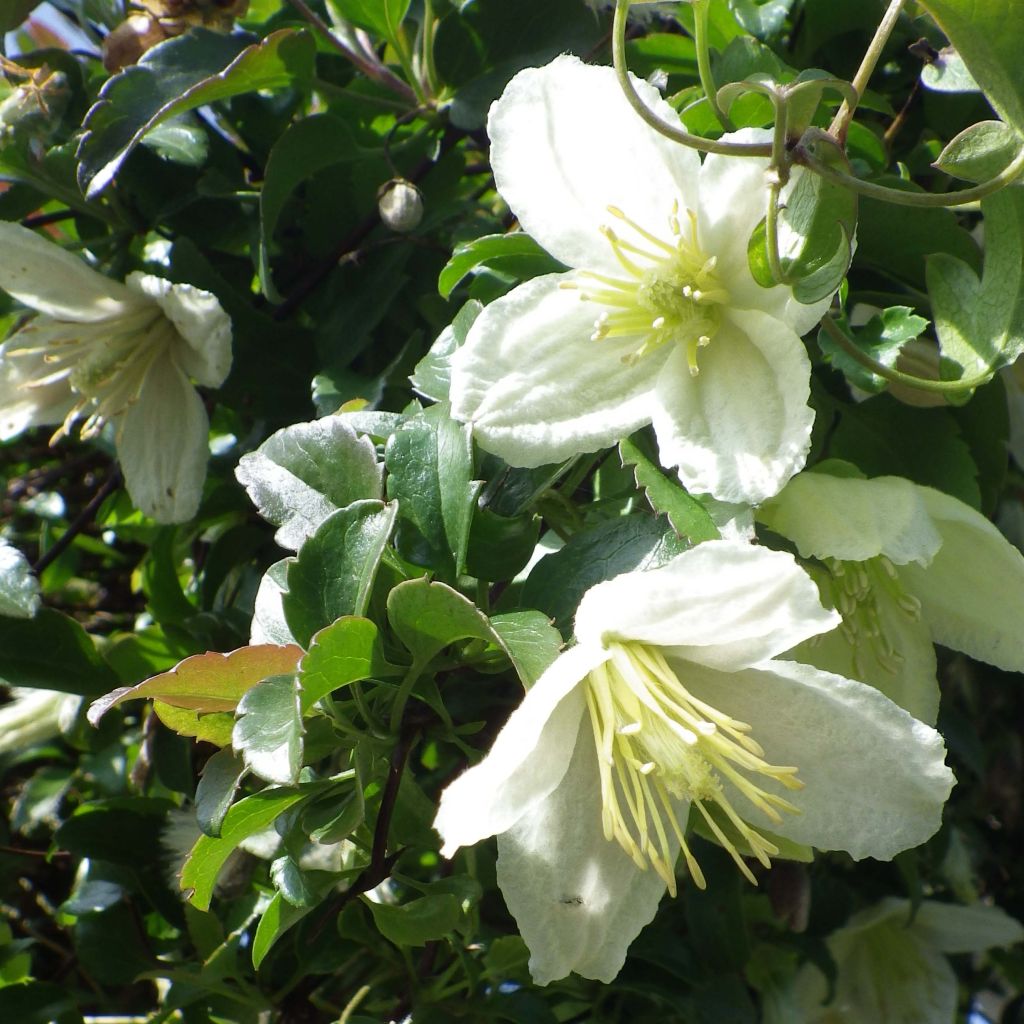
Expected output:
(42, 275)
(200, 322)
(852, 519)
(874, 777)
(535, 386)
(162, 444)
(528, 758)
(953, 928)
(19, 588)
(740, 428)
(23, 407)
(733, 201)
(566, 145)
(578, 899)
(973, 592)
(723, 603)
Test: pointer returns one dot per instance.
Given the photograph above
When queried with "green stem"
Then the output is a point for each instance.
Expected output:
(405, 689)
(841, 122)
(429, 33)
(400, 42)
(670, 131)
(707, 79)
(941, 387)
(925, 200)
(771, 234)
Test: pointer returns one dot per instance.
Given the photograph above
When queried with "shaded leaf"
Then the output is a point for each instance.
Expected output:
(530, 641)
(217, 787)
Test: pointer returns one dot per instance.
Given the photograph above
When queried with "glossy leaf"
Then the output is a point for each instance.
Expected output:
(515, 253)
(218, 784)
(268, 730)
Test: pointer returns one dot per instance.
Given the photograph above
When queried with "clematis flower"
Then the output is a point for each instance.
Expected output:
(904, 565)
(659, 321)
(104, 351)
(673, 705)
(891, 965)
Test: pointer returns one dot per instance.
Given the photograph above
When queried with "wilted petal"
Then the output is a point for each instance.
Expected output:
(972, 594)
(40, 274)
(723, 603)
(566, 145)
(578, 899)
(852, 519)
(535, 386)
(875, 778)
(528, 758)
(740, 428)
(162, 444)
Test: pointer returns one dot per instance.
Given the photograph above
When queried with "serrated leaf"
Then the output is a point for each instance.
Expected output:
(428, 616)
(306, 472)
(530, 640)
(51, 651)
(881, 338)
(19, 589)
(212, 728)
(217, 787)
(268, 730)
(335, 569)
(687, 516)
(206, 682)
(344, 652)
(249, 816)
(188, 71)
(515, 253)
(981, 151)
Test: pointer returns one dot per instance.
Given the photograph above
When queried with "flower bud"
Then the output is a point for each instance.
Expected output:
(400, 204)
(130, 40)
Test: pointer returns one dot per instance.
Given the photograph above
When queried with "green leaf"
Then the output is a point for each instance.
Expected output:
(418, 922)
(989, 37)
(38, 1002)
(559, 580)
(279, 916)
(214, 727)
(188, 71)
(179, 140)
(687, 515)
(247, 817)
(345, 652)
(433, 374)
(948, 73)
(980, 324)
(499, 546)
(335, 569)
(52, 652)
(303, 149)
(430, 465)
(530, 641)
(304, 473)
(217, 787)
(515, 253)
(19, 589)
(881, 338)
(206, 682)
(291, 883)
(12, 14)
(122, 830)
(761, 18)
(981, 151)
(268, 730)
(428, 616)
(384, 17)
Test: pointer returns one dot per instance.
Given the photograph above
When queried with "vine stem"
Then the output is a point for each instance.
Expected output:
(841, 122)
(707, 79)
(922, 200)
(941, 387)
(670, 131)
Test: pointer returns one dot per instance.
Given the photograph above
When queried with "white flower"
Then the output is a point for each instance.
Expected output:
(108, 351)
(891, 966)
(905, 565)
(672, 703)
(660, 321)
(33, 717)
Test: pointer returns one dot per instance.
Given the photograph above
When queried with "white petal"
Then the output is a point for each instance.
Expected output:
(200, 321)
(953, 928)
(269, 625)
(19, 589)
(528, 758)
(972, 594)
(874, 778)
(741, 428)
(723, 603)
(535, 386)
(909, 680)
(566, 145)
(733, 201)
(22, 407)
(45, 277)
(852, 519)
(162, 444)
(578, 899)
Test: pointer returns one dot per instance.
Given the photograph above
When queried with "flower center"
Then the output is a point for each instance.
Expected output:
(659, 749)
(669, 291)
(105, 362)
(855, 589)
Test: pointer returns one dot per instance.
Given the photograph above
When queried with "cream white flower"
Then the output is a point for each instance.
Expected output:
(905, 565)
(891, 965)
(672, 704)
(100, 350)
(659, 321)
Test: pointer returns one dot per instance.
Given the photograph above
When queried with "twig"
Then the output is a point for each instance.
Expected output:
(79, 523)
